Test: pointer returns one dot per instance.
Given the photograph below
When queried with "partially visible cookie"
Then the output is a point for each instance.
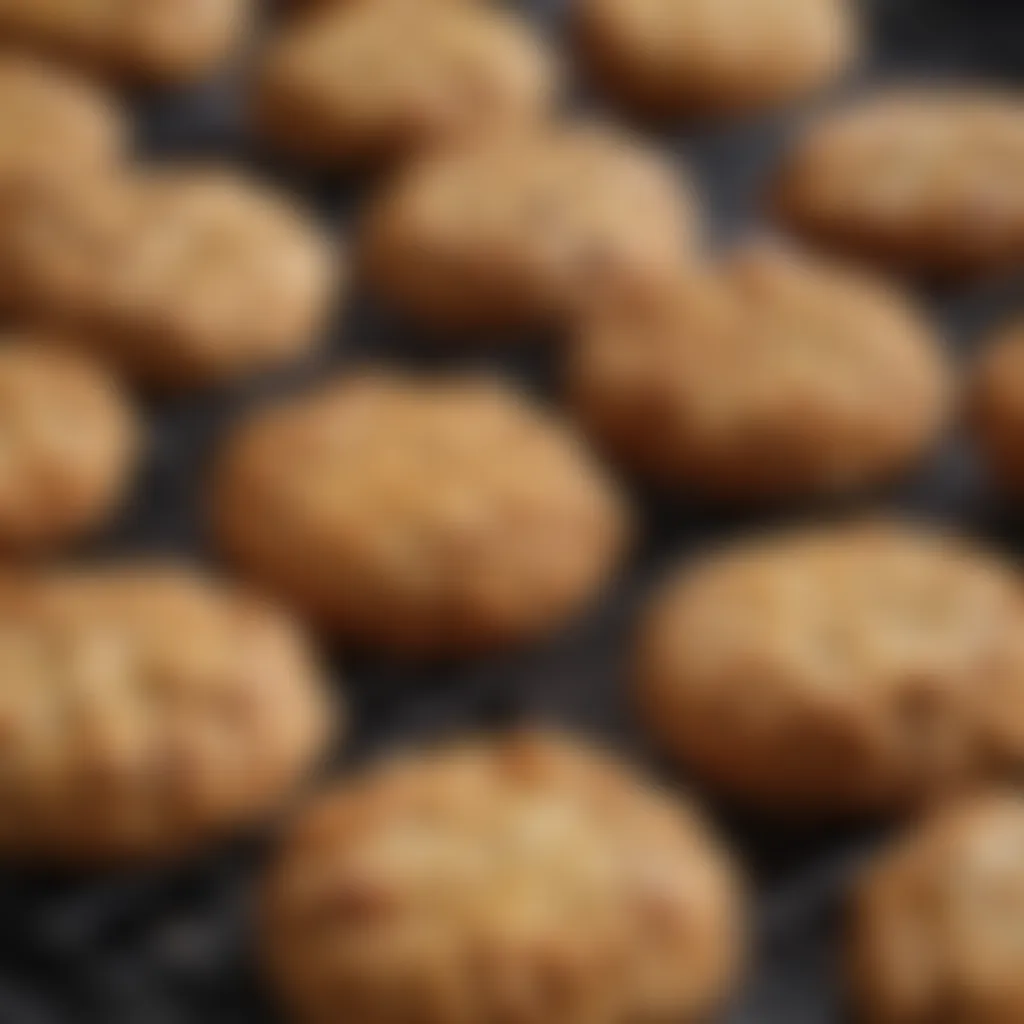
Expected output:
(774, 376)
(930, 182)
(996, 407)
(435, 518)
(146, 711)
(521, 229)
(855, 669)
(936, 930)
(344, 86)
(523, 879)
(710, 57)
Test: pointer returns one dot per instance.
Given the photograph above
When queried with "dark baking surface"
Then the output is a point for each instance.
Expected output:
(172, 947)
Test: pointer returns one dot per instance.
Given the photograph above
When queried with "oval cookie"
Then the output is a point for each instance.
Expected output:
(996, 407)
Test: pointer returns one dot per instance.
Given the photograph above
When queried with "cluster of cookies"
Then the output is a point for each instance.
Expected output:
(867, 668)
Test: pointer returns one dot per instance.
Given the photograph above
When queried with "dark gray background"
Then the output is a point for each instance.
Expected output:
(171, 947)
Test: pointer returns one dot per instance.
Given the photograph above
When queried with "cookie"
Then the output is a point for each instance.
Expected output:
(342, 86)
(519, 230)
(146, 711)
(68, 444)
(774, 376)
(181, 277)
(927, 182)
(996, 407)
(852, 669)
(935, 935)
(714, 57)
(156, 41)
(434, 517)
(523, 879)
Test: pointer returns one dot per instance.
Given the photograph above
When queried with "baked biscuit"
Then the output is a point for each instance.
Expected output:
(518, 230)
(775, 376)
(937, 921)
(854, 669)
(156, 41)
(343, 86)
(146, 711)
(929, 182)
(181, 278)
(433, 518)
(996, 407)
(524, 879)
(710, 57)
(68, 444)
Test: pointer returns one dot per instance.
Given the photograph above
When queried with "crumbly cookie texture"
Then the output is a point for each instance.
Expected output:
(937, 920)
(156, 41)
(850, 669)
(522, 879)
(343, 86)
(774, 376)
(714, 56)
(930, 182)
(146, 710)
(996, 407)
(181, 278)
(432, 518)
(523, 229)
(68, 443)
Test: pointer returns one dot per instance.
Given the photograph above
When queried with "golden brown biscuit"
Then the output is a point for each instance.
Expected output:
(936, 933)
(714, 56)
(158, 41)
(929, 182)
(68, 443)
(145, 711)
(344, 86)
(182, 277)
(521, 229)
(523, 879)
(775, 376)
(996, 407)
(849, 669)
(432, 518)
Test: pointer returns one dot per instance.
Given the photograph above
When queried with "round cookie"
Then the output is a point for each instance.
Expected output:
(708, 57)
(68, 444)
(863, 668)
(434, 518)
(523, 879)
(996, 407)
(146, 711)
(929, 182)
(774, 376)
(937, 920)
(521, 229)
(181, 278)
(343, 86)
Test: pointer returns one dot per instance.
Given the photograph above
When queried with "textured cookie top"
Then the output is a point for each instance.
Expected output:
(937, 922)
(344, 85)
(435, 517)
(772, 376)
(997, 405)
(857, 667)
(68, 442)
(525, 879)
(933, 181)
(526, 227)
(145, 710)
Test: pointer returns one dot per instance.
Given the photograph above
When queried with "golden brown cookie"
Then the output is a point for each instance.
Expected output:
(523, 879)
(852, 669)
(181, 277)
(520, 229)
(433, 518)
(344, 86)
(996, 407)
(774, 376)
(929, 182)
(714, 56)
(146, 710)
(68, 443)
(156, 41)
(936, 931)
